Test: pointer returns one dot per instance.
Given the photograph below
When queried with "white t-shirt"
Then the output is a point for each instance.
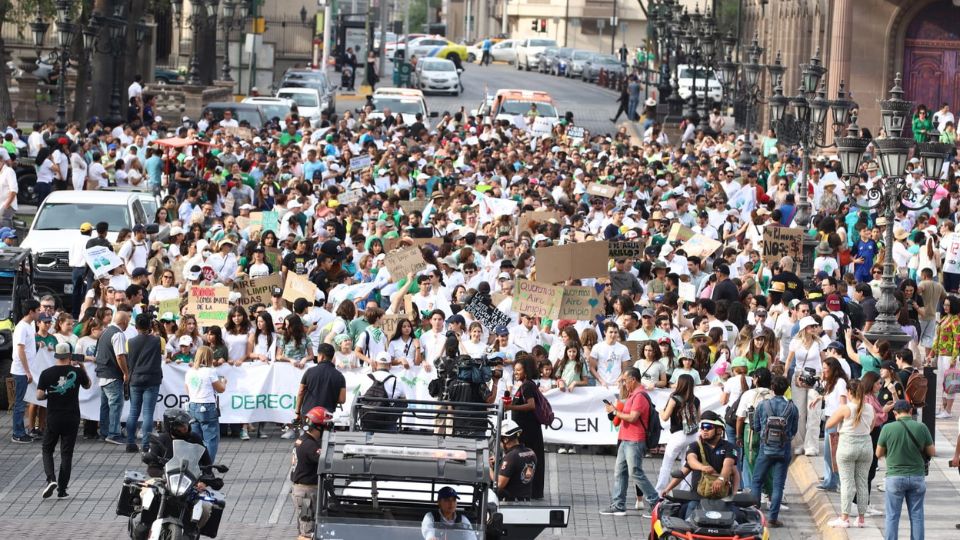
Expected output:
(831, 401)
(733, 388)
(200, 385)
(159, 293)
(45, 174)
(8, 185)
(278, 315)
(236, 345)
(610, 359)
(806, 358)
(24, 334)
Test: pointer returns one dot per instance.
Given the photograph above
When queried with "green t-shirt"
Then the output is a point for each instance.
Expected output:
(904, 458)
(183, 358)
(870, 363)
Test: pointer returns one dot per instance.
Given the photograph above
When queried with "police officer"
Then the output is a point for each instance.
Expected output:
(159, 449)
(306, 460)
(515, 477)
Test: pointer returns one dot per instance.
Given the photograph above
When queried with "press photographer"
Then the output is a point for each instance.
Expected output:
(463, 379)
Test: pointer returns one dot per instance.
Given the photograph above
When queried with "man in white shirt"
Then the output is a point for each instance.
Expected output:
(35, 140)
(134, 252)
(78, 266)
(609, 357)
(96, 172)
(24, 353)
(228, 120)
(224, 262)
(941, 117)
(526, 336)
(8, 190)
(135, 90)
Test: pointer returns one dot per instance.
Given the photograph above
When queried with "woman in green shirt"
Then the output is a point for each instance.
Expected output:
(921, 124)
(873, 353)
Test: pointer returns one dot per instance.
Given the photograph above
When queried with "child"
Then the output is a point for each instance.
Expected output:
(345, 358)
(184, 356)
(547, 382)
(686, 368)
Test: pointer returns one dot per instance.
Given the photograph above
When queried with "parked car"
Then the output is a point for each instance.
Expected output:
(607, 62)
(55, 229)
(273, 107)
(309, 102)
(529, 51)
(436, 47)
(706, 83)
(312, 78)
(573, 67)
(407, 101)
(505, 51)
(437, 75)
(398, 48)
(547, 59)
(168, 76)
(559, 62)
(249, 113)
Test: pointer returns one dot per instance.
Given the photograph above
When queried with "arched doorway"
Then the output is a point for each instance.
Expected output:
(931, 58)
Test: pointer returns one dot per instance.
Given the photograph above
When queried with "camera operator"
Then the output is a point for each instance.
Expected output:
(463, 380)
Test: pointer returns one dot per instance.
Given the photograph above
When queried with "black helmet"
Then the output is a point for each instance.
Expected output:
(173, 418)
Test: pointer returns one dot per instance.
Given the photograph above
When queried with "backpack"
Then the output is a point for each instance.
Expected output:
(730, 415)
(774, 431)
(916, 389)
(855, 312)
(379, 420)
(689, 418)
(652, 425)
(542, 410)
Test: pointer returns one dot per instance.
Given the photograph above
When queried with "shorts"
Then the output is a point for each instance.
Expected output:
(928, 333)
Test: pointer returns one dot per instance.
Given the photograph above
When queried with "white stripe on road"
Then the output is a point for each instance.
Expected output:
(278, 506)
(554, 484)
(20, 477)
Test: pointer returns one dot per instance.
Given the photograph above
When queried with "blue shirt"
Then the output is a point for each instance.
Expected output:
(311, 167)
(867, 250)
(154, 166)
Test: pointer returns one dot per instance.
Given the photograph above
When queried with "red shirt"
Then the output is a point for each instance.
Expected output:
(634, 431)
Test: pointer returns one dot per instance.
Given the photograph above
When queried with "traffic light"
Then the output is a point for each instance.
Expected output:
(533, 25)
(543, 25)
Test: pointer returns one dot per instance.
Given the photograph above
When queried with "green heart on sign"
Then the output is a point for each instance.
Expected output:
(593, 302)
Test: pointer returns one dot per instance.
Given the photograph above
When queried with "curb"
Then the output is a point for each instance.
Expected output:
(802, 473)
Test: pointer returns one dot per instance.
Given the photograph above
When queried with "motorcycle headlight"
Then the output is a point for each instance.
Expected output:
(179, 484)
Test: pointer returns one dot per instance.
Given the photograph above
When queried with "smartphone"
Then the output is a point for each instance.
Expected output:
(607, 402)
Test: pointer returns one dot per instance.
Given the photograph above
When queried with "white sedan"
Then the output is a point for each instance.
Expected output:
(437, 75)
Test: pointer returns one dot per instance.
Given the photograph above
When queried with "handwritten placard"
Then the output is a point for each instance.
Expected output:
(404, 261)
(780, 242)
(601, 190)
(580, 304)
(539, 216)
(680, 233)
(415, 205)
(700, 245)
(572, 261)
(687, 292)
(169, 306)
(349, 197)
(536, 299)
(210, 304)
(487, 315)
(626, 249)
(297, 287)
(101, 260)
(258, 290)
(360, 162)
(576, 132)
(389, 323)
(271, 221)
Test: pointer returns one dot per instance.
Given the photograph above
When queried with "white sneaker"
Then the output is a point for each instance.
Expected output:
(288, 434)
(798, 451)
(562, 450)
(872, 511)
(765, 500)
(571, 450)
(784, 507)
(944, 415)
(839, 523)
(638, 505)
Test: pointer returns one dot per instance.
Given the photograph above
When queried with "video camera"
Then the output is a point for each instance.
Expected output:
(810, 379)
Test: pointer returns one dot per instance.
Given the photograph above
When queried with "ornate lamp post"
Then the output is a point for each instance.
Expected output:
(805, 126)
(114, 43)
(745, 89)
(234, 16)
(60, 57)
(200, 12)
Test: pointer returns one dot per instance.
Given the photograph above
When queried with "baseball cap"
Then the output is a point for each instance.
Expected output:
(833, 302)
(447, 492)
(647, 313)
(7, 232)
(193, 273)
(456, 319)
(86, 227)
(137, 272)
(185, 341)
(501, 331)
(62, 350)
(277, 291)
(44, 317)
(710, 417)
(383, 357)
(902, 405)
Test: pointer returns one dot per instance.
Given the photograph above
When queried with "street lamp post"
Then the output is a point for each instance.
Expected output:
(234, 16)
(60, 57)
(113, 42)
(200, 11)
(744, 89)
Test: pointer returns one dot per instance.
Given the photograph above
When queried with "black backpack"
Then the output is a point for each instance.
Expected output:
(380, 420)
(651, 424)
(855, 312)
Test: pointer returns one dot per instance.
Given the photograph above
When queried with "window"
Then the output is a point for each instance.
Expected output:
(59, 216)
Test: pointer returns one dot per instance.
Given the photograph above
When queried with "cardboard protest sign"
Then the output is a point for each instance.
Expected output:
(209, 304)
(572, 261)
(680, 233)
(687, 292)
(177, 267)
(415, 205)
(780, 242)
(349, 197)
(625, 249)
(228, 203)
(580, 304)
(272, 257)
(297, 287)
(389, 323)
(390, 244)
(243, 222)
(101, 260)
(258, 290)
(536, 299)
(487, 315)
(539, 216)
(271, 221)
(601, 190)
(576, 132)
(635, 348)
(700, 245)
(360, 162)
(244, 133)
(404, 261)
(169, 306)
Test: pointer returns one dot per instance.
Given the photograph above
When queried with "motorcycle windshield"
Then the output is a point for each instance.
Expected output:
(188, 452)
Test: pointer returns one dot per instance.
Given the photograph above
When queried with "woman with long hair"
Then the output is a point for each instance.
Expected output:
(293, 345)
(203, 385)
(804, 357)
(756, 352)
(187, 327)
(945, 350)
(522, 412)
(872, 384)
(854, 421)
(263, 340)
(683, 412)
(834, 395)
(404, 347)
(652, 372)
(667, 357)
(474, 346)
(237, 336)
(733, 388)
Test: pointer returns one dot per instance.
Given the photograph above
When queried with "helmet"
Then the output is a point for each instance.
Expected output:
(509, 428)
(318, 418)
(174, 418)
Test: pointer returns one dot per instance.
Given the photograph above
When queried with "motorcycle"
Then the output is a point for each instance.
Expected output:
(172, 507)
(737, 516)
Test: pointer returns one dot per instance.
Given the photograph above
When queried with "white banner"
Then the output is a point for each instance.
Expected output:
(260, 392)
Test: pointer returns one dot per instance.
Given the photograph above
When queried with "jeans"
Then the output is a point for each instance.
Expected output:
(145, 398)
(831, 479)
(42, 189)
(19, 405)
(630, 465)
(632, 104)
(78, 278)
(768, 461)
(111, 407)
(913, 489)
(63, 429)
(206, 425)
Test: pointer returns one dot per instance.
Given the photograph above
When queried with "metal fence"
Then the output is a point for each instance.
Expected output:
(291, 36)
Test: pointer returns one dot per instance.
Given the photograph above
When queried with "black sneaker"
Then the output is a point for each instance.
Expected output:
(22, 439)
(36, 433)
(115, 440)
(48, 491)
(132, 449)
(63, 495)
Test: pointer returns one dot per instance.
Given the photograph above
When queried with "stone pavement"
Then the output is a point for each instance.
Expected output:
(258, 503)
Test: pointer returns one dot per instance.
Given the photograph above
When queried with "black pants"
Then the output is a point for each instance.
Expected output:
(485, 59)
(64, 429)
(621, 110)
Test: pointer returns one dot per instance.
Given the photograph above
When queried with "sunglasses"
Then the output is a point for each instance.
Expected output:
(707, 427)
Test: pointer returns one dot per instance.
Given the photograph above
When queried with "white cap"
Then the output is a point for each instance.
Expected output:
(383, 357)
(293, 204)
(157, 119)
(234, 297)
(175, 231)
(807, 322)
(185, 341)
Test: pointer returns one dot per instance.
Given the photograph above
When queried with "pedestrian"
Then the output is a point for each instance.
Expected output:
(907, 446)
(776, 421)
(60, 387)
(683, 412)
(9, 189)
(832, 397)
(518, 466)
(624, 101)
(854, 452)
(748, 438)
(306, 462)
(521, 407)
(803, 359)
(632, 446)
(79, 268)
(633, 89)
(485, 58)
(392, 390)
(321, 385)
(145, 363)
(113, 374)
(203, 385)
(944, 351)
(21, 368)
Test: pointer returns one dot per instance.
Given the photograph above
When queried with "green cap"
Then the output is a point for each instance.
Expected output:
(739, 361)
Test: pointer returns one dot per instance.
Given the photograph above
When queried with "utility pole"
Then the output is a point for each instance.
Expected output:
(504, 23)
(613, 32)
(382, 51)
(327, 42)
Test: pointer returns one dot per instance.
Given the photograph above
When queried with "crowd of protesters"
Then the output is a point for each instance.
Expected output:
(730, 317)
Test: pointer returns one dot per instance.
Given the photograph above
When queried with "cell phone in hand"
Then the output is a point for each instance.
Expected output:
(607, 402)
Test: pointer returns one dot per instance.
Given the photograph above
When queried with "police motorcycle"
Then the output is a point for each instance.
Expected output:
(173, 505)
